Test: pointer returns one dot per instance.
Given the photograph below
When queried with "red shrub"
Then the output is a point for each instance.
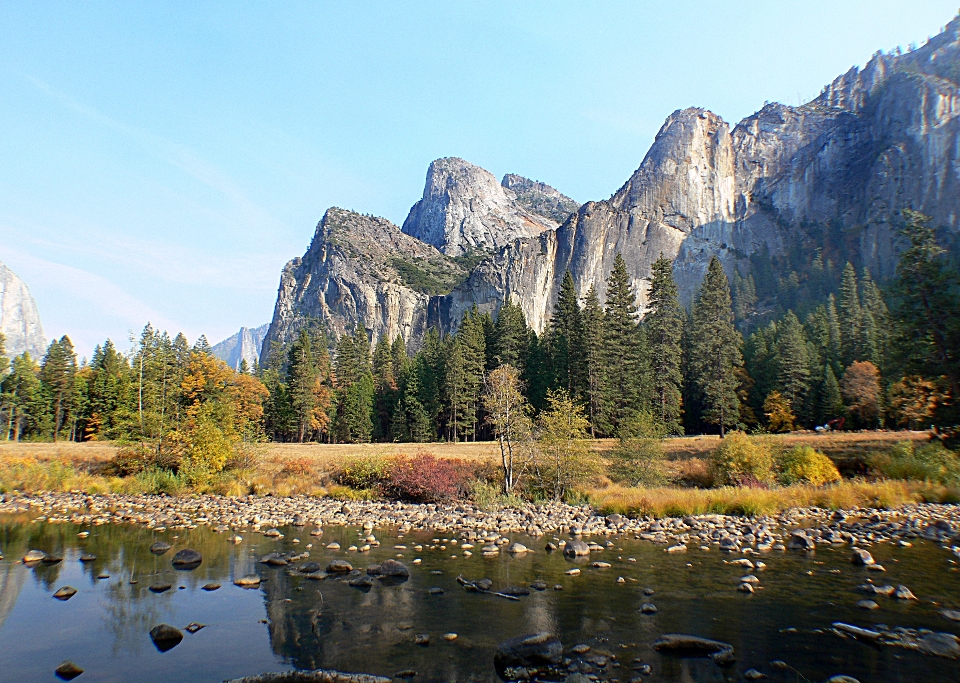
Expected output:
(425, 479)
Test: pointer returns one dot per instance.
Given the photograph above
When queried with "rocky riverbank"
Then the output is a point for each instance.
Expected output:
(796, 529)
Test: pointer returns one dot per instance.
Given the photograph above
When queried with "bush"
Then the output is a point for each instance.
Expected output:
(805, 465)
(741, 461)
(156, 480)
(364, 472)
(426, 479)
(929, 462)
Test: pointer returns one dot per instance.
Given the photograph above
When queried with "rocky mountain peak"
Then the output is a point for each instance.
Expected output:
(19, 319)
(464, 208)
(540, 198)
(243, 346)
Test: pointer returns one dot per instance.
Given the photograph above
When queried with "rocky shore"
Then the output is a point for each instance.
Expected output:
(800, 529)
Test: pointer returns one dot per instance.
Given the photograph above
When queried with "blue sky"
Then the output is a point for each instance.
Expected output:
(162, 161)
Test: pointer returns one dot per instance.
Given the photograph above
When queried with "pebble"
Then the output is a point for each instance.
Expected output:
(67, 671)
(867, 604)
(648, 608)
(65, 593)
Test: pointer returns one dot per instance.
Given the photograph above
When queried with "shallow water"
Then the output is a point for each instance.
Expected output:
(294, 622)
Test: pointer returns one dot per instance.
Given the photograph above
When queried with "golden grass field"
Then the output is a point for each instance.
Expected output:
(840, 446)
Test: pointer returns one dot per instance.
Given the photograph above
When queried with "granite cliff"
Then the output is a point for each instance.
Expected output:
(876, 141)
(243, 346)
(19, 319)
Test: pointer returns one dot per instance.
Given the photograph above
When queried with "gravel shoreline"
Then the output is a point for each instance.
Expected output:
(795, 529)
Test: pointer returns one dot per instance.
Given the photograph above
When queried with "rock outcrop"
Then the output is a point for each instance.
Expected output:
(876, 141)
(361, 270)
(243, 346)
(464, 209)
(19, 319)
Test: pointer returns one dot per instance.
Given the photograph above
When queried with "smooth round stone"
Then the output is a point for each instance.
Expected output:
(248, 581)
(165, 637)
(65, 593)
(210, 587)
(867, 604)
(160, 547)
(34, 556)
(188, 558)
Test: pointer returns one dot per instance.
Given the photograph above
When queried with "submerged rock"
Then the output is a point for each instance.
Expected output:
(535, 653)
(393, 568)
(862, 558)
(188, 558)
(681, 645)
(165, 637)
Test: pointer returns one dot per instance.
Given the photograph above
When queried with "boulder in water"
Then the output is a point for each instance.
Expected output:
(188, 558)
(165, 637)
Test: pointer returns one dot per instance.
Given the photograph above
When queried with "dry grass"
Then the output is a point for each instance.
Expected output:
(676, 502)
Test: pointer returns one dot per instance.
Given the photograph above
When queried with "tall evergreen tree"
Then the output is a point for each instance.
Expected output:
(24, 398)
(511, 337)
(851, 317)
(308, 370)
(385, 388)
(793, 363)
(595, 378)
(472, 337)
(830, 401)
(715, 353)
(57, 377)
(566, 335)
(623, 348)
(664, 325)
(355, 391)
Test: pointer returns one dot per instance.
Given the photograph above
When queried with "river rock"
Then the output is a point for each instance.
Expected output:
(576, 548)
(867, 604)
(648, 608)
(165, 637)
(941, 645)
(517, 548)
(689, 646)
(800, 541)
(160, 547)
(65, 593)
(361, 582)
(753, 675)
(34, 556)
(516, 591)
(952, 615)
(248, 581)
(841, 679)
(862, 558)
(87, 557)
(209, 587)
(535, 653)
(904, 593)
(159, 587)
(394, 568)
(339, 567)
(188, 558)
(67, 671)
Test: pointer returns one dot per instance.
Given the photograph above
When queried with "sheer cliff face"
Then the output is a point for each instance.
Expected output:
(464, 208)
(876, 141)
(245, 345)
(360, 270)
(19, 319)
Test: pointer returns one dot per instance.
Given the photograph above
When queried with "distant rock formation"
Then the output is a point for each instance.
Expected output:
(243, 346)
(19, 319)
(876, 141)
(464, 208)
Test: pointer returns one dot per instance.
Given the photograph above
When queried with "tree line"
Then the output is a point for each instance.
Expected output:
(862, 357)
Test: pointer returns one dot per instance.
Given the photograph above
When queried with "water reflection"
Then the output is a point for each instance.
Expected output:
(292, 621)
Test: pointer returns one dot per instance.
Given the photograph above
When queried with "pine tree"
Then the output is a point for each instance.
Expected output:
(835, 347)
(565, 337)
(623, 348)
(595, 379)
(355, 391)
(57, 377)
(830, 400)
(305, 366)
(25, 399)
(664, 325)
(385, 388)
(851, 317)
(456, 391)
(511, 337)
(715, 352)
(472, 336)
(876, 323)
(793, 363)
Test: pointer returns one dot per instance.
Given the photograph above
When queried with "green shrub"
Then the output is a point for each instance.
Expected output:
(805, 465)
(156, 480)
(929, 462)
(364, 472)
(741, 461)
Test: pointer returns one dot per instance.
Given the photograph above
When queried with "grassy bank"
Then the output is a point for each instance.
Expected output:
(317, 470)
(678, 502)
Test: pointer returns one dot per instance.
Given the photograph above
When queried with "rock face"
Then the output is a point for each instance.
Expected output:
(19, 319)
(540, 198)
(361, 269)
(243, 346)
(464, 209)
(876, 141)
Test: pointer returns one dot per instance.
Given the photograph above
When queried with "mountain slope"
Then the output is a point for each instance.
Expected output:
(19, 319)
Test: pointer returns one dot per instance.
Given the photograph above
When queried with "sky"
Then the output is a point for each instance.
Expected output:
(162, 161)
